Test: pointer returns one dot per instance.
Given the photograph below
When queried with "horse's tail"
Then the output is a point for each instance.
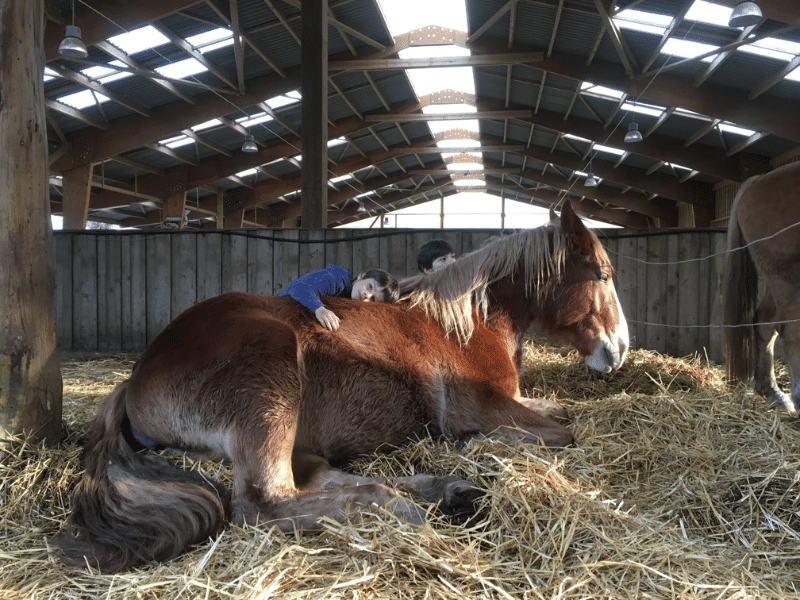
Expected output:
(130, 508)
(739, 301)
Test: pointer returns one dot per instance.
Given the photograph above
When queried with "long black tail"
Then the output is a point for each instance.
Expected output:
(739, 302)
(130, 508)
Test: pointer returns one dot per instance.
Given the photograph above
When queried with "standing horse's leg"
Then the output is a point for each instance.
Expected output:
(764, 374)
(790, 336)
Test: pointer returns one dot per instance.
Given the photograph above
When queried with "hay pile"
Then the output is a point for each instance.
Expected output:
(679, 487)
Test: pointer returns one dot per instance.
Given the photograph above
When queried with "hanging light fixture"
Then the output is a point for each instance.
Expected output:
(72, 45)
(249, 144)
(745, 14)
(591, 180)
(361, 208)
(633, 134)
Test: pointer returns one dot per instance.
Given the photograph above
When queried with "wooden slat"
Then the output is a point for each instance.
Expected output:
(234, 263)
(209, 261)
(62, 253)
(84, 273)
(109, 293)
(184, 272)
(259, 264)
(158, 277)
(287, 257)
(672, 295)
(341, 252)
(134, 286)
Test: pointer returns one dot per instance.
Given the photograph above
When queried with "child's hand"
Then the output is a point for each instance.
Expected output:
(327, 318)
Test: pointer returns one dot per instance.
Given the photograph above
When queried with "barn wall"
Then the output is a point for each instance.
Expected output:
(116, 290)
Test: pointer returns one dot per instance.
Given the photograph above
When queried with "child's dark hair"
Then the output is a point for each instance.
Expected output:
(432, 250)
(391, 288)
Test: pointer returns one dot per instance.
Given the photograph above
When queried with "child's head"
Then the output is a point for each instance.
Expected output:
(375, 285)
(435, 255)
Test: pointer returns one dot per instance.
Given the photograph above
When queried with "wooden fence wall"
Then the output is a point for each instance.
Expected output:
(116, 290)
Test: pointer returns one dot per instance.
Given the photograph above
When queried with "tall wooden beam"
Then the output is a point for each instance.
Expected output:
(75, 188)
(30, 377)
(314, 127)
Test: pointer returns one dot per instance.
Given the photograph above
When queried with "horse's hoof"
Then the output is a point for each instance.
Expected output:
(461, 500)
(777, 399)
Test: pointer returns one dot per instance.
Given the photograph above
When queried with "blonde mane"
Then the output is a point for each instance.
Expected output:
(451, 295)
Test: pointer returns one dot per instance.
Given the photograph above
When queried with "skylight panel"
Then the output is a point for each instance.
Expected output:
(49, 74)
(402, 16)
(176, 141)
(601, 90)
(182, 69)
(706, 12)
(639, 20)
(643, 109)
(340, 178)
(336, 142)
(207, 125)
(84, 99)
(283, 100)
(254, 119)
(465, 166)
(210, 37)
(794, 75)
(427, 81)
(138, 40)
(768, 50)
(442, 126)
(466, 142)
(469, 183)
(731, 128)
(575, 137)
(609, 149)
(687, 49)
(105, 74)
(247, 172)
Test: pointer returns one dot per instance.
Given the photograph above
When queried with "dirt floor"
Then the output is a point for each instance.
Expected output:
(679, 486)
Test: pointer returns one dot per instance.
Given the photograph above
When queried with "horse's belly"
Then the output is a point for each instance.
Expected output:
(346, 418)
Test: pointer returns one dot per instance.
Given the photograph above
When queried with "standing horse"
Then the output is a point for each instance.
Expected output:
(255, 380)
(764, 242)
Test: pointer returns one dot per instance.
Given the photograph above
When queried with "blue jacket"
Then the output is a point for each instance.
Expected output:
(330, 281)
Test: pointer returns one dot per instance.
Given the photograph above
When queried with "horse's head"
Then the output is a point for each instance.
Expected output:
(581, 306)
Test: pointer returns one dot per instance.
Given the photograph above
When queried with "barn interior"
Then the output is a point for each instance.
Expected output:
(188, 114)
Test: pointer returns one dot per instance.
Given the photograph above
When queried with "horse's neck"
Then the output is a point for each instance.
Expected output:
(510, 312)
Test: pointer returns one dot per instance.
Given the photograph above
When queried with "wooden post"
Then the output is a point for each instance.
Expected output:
(30, 377)
(314, 128)
(76, 187)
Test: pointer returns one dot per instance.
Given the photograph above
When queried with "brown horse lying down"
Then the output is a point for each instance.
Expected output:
(255, 380)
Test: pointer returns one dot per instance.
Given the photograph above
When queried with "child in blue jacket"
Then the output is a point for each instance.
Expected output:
(374, 285)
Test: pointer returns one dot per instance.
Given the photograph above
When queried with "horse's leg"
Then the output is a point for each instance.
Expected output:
(764, 373)
(790, 336)
(546, 408)
(455, 496)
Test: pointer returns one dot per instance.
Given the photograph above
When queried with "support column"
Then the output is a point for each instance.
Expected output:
(220, 209)
(30, 376)
(314, 128)
(76, 186)
(174, 207)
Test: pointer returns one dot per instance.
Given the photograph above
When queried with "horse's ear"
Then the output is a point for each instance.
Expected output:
(572, 226)
(553, 216)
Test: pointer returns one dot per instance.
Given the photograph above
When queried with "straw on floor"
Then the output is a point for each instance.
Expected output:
(679, 486)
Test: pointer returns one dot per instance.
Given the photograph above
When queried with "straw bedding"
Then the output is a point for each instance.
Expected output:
(679, 487)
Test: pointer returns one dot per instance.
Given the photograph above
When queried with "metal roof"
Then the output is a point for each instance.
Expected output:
(539, 122)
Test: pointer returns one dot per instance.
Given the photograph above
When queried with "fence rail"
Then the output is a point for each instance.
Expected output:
(116, 290)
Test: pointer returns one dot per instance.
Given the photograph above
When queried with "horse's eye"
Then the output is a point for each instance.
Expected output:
(603, 277)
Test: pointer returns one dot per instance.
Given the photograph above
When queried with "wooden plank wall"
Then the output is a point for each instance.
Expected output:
(116, 290)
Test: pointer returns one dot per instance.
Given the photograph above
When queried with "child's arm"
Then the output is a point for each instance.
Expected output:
(331, 281)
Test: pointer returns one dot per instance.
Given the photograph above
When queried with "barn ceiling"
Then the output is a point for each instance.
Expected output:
(557, 83)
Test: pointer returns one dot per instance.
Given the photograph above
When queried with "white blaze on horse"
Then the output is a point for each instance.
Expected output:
(256, 381)
(764, 246)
